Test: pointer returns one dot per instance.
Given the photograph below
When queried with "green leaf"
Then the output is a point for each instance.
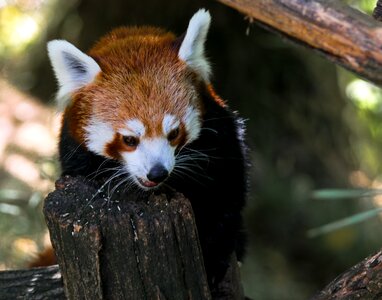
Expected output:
(336, 194)
(9, 194)
(348, 221)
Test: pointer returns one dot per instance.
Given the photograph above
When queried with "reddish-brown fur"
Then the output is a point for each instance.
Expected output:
(45, 258)
(215, 96)
(142, 77)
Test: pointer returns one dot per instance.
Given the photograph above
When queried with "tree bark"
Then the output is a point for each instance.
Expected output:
(130, 247)
(377, 13)
(363, 281)
(341, 33)
(33, 284)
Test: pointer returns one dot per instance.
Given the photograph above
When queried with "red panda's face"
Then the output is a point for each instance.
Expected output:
(135, 99)
(146, 138)
(140, 115)
(148, 158)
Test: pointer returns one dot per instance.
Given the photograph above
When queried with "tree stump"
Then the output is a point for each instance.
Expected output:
(128, 247)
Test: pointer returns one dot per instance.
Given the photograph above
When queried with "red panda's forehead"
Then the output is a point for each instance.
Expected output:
(130, 50)
(142, 78)
(148, 97)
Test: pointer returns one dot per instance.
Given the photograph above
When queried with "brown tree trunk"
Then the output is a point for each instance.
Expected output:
(125, 248)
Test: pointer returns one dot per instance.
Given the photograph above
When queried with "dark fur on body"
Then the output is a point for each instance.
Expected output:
(215, 185)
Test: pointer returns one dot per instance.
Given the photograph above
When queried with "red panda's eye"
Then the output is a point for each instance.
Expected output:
(173, 134)
(131, 141)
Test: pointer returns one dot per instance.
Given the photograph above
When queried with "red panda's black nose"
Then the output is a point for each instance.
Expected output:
(157, 174)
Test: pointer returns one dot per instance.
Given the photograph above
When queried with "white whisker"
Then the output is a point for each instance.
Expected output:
(181, 173)
(69, 155)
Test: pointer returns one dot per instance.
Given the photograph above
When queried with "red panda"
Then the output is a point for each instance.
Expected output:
(140, 107)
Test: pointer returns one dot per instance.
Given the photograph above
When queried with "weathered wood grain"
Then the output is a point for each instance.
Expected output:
(341, 33)
(131, 247)
(363, 281)
(33, 284)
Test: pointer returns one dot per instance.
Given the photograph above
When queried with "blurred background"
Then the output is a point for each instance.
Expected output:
(314, 208)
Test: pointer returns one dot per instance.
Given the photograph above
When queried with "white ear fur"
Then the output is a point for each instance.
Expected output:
(192, 49)
(73, 69)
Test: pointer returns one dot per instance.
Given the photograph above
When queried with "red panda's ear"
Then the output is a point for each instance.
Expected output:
(73, 69)
(192, 48)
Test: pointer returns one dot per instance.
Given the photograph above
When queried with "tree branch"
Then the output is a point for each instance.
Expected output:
(341, 33)
(37, 283)
(377, 13)
(363, 281)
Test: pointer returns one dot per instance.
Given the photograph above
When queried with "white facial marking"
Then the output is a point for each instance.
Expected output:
(98, 134)
(73, 69)
(149, 153)
(192, 123)
(133, 127)
(192, 49)
(169, 123)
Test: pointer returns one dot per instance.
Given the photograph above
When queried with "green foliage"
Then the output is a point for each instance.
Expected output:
(349, 221)
(336, 194)
(366, 6)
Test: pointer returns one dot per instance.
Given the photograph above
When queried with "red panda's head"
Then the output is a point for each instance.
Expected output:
(135, 97)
